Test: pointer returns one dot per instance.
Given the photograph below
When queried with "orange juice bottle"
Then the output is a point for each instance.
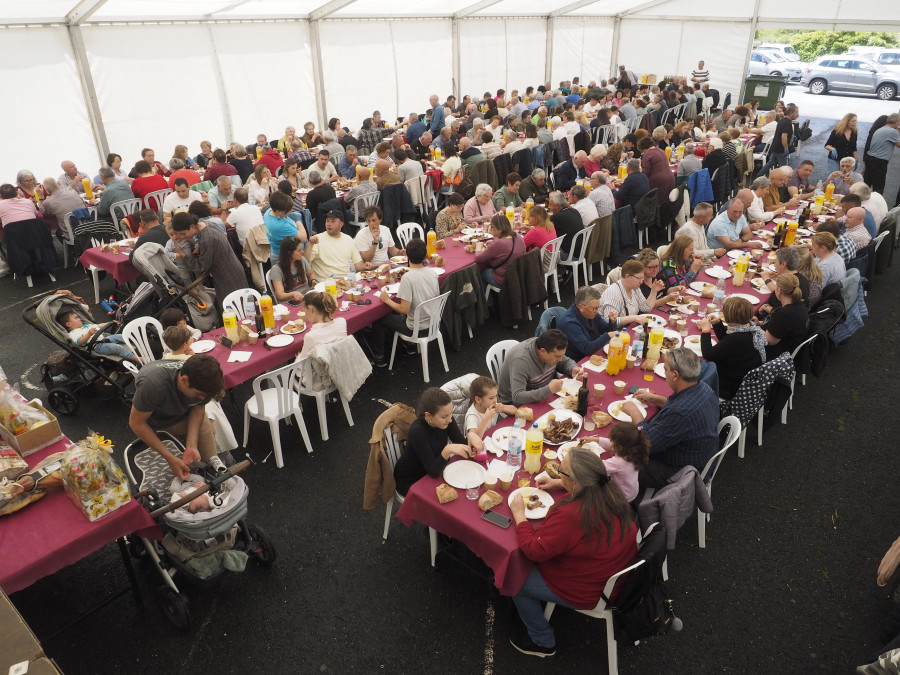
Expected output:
(740, 269)
(431, 243)
(626, 346)
(615, 355)
(88, 190)
(268, 313)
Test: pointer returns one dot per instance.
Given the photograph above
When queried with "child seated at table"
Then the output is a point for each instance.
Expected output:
(81, 333)
(175, 317)
(485, 410)
(177, 340)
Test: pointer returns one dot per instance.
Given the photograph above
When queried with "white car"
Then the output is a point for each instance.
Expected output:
(786, 51)
(772, 63)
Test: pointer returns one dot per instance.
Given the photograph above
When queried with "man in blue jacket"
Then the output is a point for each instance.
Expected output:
(586, 330)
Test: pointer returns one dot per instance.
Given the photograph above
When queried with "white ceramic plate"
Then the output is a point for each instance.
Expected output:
(280, 340)
(203, 346)
(297, 329)
(751, 298)
(464, 473)
(717, 273)
(541, 511)
(561, 415)
(615, 409)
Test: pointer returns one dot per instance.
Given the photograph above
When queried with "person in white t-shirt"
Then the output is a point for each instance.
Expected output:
(245, 217)
(180, 200)
(485, 411)
(375, 243)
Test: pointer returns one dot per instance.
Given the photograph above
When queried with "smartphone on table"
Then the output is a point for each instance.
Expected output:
(497, 519)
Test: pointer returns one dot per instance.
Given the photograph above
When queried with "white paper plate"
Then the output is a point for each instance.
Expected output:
(561, 415)
(717, 273)
(735, 253)
(464, 473)
(533, 514)
(399, 260)
(695, 346)
(700, 286)
(295, 332)
(570, 387)
(471, 230)
(565, 447)
(751, 298)
(280, 340)
(280, 310)
(501, 438)
(660, 370)
(614, 409)
(759, 284)
(203, 346)
(437, 270)
(391, 289)
(803, 231)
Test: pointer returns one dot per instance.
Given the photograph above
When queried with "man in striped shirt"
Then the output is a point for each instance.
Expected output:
(701, 75)
(683, 432)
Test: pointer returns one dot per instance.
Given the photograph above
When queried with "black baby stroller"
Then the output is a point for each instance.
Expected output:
(202, 546)
(167, 285)
(75, 371)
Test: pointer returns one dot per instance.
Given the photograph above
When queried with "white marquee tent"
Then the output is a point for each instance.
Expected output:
(83, 78)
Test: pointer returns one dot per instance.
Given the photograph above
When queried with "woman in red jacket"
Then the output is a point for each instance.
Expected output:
(655, 164)
(587, 536)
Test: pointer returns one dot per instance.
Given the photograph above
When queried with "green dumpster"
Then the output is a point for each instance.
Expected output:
(766, 89)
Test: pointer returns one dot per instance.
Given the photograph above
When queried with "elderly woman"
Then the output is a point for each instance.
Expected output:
(845, 177)
(506, 246)
(284, 143)
(240, 161)
(787, 326)
(511, 142)
(830, 263)
(496, 128)
(655, 165)
(206, 150)
(28, 188)
(509, 193)
(680, 264)
(594, 161)
(681, 133)
(261, 186)
(623, 303)
(741, 345)
(310, 135)
(659, 136)
(587, 536)
(480, 209)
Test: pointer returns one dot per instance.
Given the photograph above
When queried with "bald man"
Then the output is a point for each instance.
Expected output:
(856, 231)
(71, 176)
(364, 186)
(384, 176)
(569, 171)
(772, 197)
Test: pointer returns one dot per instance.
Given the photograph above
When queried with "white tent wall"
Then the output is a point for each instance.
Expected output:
(378, 65)
(49, 123)
(582, 47)
(501, 53)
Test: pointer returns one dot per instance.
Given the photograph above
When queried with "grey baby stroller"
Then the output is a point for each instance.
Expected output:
(202, 545)
(75, 371)
(167, 285)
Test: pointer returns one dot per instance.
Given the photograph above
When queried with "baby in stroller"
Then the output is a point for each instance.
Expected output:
(81, 332)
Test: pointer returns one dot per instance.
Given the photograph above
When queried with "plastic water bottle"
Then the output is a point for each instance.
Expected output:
(351, 273)
(514, 446)
(719, 294)
(637, 345)
(250, 308)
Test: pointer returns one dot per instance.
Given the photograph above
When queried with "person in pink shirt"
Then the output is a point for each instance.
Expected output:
(14, 208)
(542, 229)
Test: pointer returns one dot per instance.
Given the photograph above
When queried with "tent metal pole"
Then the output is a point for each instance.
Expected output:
(548, 55)
(220, 85)
(318, 74)
(455, 63)
(89, 92)
(614, 50)
(83, 11)
(753, 23)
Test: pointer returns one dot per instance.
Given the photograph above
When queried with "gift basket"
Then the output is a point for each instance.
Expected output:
(92, 479)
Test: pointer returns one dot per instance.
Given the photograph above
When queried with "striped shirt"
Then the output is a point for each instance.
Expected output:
(683, 432)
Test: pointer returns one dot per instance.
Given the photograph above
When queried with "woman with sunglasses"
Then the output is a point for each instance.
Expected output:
(27, 187)
(587, 536)
(375, 243)
(653, 285)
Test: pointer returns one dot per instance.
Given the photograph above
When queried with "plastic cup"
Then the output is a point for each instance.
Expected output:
(629, 361)
(456, 242)
(524, 479)
(505, 481)
(253, 338)
(472, 493)
(673, 319)
(619, 387)
(490, 482)
(682, 327)
(599, 390)
(589, 425)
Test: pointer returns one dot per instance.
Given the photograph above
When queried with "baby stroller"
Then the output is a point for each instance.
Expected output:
(74, 371)
(169, 286)
(195, 544)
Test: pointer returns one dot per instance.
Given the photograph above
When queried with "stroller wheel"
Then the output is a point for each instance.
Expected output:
(63, 401)
(175, 607)
(261, 547)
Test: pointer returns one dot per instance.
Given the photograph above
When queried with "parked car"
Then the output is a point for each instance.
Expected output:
(773, 63)
(850, 73)
(889, 58)
(786, 51)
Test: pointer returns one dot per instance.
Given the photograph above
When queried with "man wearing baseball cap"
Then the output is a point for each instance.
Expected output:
(330, 253)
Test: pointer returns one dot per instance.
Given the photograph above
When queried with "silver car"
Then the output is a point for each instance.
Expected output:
(773, 63)
(850, 73)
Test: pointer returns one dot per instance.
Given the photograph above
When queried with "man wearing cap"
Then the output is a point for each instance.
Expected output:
(328, 253)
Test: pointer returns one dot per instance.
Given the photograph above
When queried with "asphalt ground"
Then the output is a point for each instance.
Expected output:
(786, 583)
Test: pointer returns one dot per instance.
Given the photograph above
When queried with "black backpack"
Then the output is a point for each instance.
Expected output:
(644, 606)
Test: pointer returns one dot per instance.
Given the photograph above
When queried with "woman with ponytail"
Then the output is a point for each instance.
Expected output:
(587, 536)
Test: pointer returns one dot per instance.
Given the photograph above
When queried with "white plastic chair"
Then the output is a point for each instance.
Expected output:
(361, 203)
(135, 335)
(67, 230)
(321, 396)
(269, 286)
(712, 466)
(275, 403)
(496, 355)
(157, 198)
(118, 211)
(95, 272)
(790, 404)
(235, 300)
(434, 309)
(408, 231)
(392, 450)
(579, 243)
(550, 252)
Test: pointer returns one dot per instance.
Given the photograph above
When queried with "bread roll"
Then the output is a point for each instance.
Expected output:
(597, 360)
(601, 419)
(552, 469)
(445, 493)
(526, 414)
(489, 500)
(383, 269)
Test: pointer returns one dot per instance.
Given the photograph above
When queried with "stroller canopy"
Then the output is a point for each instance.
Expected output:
(50, 307)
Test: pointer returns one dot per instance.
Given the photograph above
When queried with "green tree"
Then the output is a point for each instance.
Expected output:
(810, 44)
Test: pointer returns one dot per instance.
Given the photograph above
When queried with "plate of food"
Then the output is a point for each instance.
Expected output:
(471, 230)
(705, 289)
(692, 342)
(399, 260)
(537, 501)
(591, 445)
(501, 437)
(671, 339)
(570, 387)
(559, 426)
(293, 327)
(464, 473)
(615, 409)
(759, 284)
(391, 289)
(203, 346)
(280, 340)
(802, 231)
(752, 299)
(717, 273)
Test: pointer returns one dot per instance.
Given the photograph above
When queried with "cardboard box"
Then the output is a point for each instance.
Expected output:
(36, 439)
(17, 642)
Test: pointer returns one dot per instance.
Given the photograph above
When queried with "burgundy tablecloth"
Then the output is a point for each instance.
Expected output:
(51, 533)
(117, 264)
(357, 316)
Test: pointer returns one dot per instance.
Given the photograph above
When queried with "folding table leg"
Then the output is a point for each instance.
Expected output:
(129, 570)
